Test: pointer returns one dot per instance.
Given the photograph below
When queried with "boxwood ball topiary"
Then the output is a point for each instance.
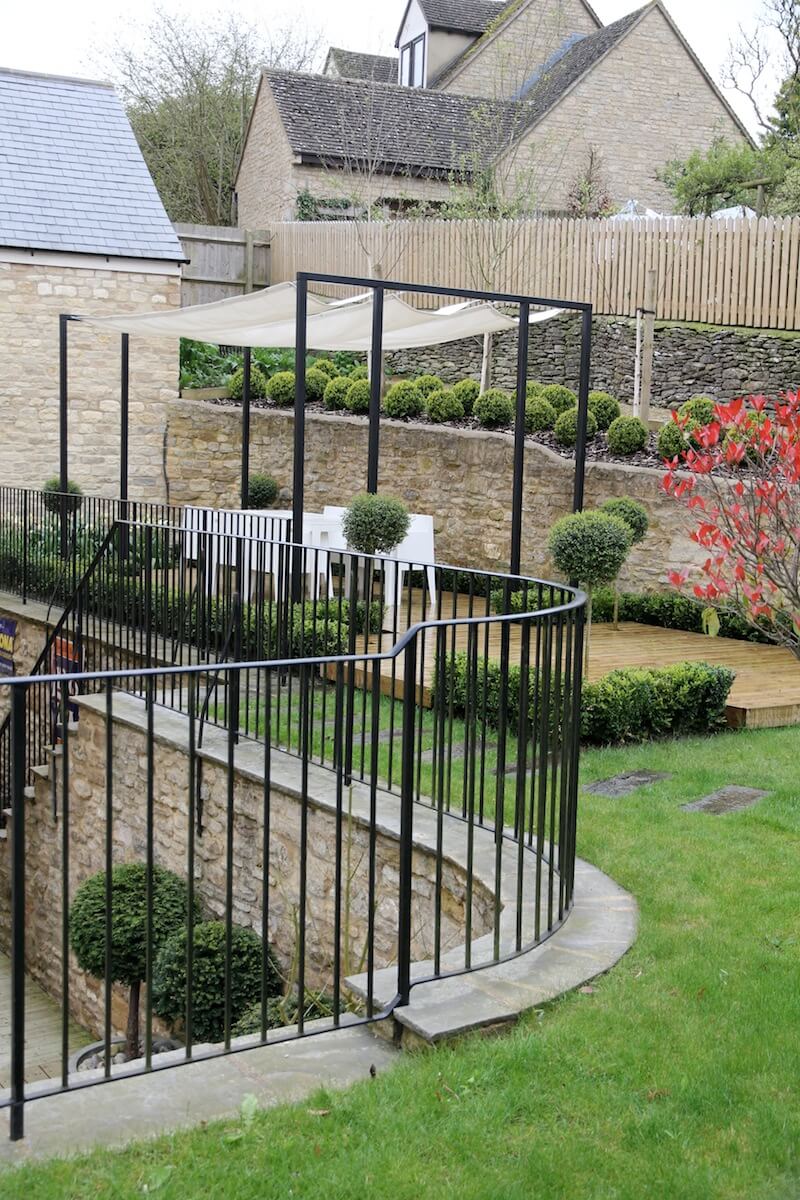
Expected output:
(87, 927)
(52, 495)
(539, 414)
(699, 409)
(258, 383)
(403, 399)
(561, 398)
(262, 491)
(444, 406)
(358, 396)
(359, 372)
(566, 427)
(375, 524)
(590, 546)
(325, 364)
(208, 977)
(467, 391)
(428, 383)
(316, 382)
(605, 408)
(280, 388)
(533, 388)
(671, 440)
(494, 409)
(626, 435)
(632, 512)
(335, 393)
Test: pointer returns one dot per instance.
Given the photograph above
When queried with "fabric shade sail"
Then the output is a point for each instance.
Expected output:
(267, 319)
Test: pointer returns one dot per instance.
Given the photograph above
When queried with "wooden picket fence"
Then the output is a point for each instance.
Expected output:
(718, 271)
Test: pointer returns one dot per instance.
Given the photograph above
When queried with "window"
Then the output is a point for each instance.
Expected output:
(412, 63)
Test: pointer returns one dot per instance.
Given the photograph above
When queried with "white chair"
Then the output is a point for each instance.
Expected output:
(415, 550)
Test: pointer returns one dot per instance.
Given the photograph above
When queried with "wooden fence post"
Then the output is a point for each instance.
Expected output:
(648, 341)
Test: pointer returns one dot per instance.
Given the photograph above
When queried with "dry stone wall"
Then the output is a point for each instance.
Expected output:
(461, 476)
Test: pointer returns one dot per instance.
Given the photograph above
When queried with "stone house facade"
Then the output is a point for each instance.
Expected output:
(524, 91)
(82, 231)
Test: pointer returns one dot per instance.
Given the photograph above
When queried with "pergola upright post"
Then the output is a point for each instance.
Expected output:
(246, 426)
(63, 444)
(583, 409)
(519, 439)
(124, 429)
(376, 382)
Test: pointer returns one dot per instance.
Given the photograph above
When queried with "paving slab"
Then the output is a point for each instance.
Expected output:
(134, 1107)
(626, 782)
(727, 799)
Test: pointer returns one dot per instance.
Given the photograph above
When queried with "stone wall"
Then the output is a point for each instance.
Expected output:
(32, 294)
(460, 476)
(719, 362)
(27, 646)
(170, 786)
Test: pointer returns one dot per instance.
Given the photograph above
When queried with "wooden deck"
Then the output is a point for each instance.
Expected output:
(42, 1031)
(765, 693)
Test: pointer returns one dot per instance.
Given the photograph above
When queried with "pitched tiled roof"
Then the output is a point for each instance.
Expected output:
(467, 16)
(414, 130)
(72, 176)
(351, 65)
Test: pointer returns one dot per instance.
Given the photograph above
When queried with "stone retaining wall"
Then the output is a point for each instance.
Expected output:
(170, 783)
(718, 362)
(461, 476)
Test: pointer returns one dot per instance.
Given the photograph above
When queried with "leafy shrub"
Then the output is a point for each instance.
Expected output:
(561, 398)
(638, 703)
(533, 388)
(404, 399)
(428, 383)
(52, 495)
(358, 396)
(467, 391)
(626, 435)
(87, 927)
(566, 427)
(539, 414)
(283, 1010)
(589, 546)
(444, 406)
(671, 440)
(262, 491)
(202, 365)
(605, 408)
(272, 360)
(325, 364)
(208, 977)
(670, 610)
(699, 409)
(316, 383)
(375, 524)
(632, 512)
(335, 393)
(359, 372)
(258, 383)
(280, 388)
(494, 409)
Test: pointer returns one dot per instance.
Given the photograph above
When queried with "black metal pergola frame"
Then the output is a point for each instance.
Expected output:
(378, 288)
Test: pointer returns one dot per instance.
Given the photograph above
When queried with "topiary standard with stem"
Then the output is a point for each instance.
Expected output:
(375, 524)
(208, 978)
(634, 514)
(590, 547)
(52, 495)
(262, 491)
(87, 928)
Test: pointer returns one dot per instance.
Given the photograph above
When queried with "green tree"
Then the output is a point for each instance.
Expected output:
(188, 87)
(719, 177)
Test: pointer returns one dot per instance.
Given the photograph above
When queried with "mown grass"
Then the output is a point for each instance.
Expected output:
(675, 1077)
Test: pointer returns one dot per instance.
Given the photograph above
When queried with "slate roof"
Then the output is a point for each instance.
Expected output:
(466, 16)
(72, 176)
(352, 65)
(414, 130)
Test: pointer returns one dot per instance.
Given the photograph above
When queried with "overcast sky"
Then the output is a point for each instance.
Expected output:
(62, 37)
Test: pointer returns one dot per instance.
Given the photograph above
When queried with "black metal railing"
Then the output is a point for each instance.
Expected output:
(380, 787)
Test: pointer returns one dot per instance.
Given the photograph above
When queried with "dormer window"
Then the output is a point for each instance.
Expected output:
(412, 63)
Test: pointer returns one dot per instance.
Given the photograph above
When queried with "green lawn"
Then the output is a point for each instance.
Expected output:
(677, 1077)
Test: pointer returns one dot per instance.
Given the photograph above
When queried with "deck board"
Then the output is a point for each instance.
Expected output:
(42, 1031)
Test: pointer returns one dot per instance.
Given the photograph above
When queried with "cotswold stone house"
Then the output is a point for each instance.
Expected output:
(530, 91)
(82, 230)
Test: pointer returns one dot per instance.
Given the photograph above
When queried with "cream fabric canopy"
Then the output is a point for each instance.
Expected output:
(267, 318)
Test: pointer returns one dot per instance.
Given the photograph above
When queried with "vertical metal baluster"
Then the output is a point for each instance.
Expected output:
(301, 948)
(109, 896)
(265, 848)
(337, 915)
(63, 699)
(19, 695)
(406, 828)
(149, 866)
(230, 808)
(523, 733)
(190, 854)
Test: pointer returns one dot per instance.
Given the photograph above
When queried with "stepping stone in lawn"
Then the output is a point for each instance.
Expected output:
(628, 781)
(727, 799)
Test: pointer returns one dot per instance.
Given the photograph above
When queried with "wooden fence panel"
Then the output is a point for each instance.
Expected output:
(223, 262)
(718, 271)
